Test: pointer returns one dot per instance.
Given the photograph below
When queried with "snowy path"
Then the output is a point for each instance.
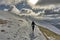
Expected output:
(18, 28)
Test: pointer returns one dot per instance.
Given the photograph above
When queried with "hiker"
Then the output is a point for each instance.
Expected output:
(33, 25)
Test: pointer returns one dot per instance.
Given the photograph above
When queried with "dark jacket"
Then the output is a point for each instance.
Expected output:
(33, 25)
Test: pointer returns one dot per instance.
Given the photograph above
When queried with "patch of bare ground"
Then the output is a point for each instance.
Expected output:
(3, 21)
(49, 33)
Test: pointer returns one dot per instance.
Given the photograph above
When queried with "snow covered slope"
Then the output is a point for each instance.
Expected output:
(13, 27)
(45, 24)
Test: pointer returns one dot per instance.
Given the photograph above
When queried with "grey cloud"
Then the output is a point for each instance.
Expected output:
(44, 2)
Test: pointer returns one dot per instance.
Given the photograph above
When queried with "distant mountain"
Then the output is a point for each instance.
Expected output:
(19, 6)
(4, 7)
(23, 5)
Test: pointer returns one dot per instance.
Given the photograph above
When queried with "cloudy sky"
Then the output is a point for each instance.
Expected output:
(40, 2)
(10, 1)
(47, 2)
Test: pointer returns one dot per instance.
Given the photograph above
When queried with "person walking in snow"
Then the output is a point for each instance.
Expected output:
(33, 25)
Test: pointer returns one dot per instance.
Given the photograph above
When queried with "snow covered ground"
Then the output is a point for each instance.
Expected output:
(48, 22)
(17, 28)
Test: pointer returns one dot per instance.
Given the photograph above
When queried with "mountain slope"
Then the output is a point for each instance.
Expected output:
(16, 28)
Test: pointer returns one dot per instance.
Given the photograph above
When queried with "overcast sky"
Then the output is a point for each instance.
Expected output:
(10, 1)
(45, 2)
